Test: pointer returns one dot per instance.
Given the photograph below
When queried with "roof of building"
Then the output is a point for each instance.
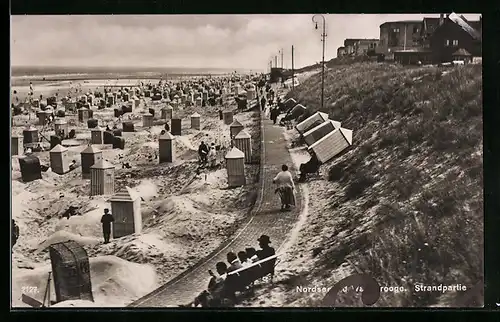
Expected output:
(58, 149)
(347, 134)
(166, 136)
(242, 135)
(126, 194)
(350, 41)
(91, 150)
(465, 26)
(462, 52)
(299, 106)
(235, 153)
(430, 24)
(195, 115)
(401, 22)
(369, 40)
(235, 123)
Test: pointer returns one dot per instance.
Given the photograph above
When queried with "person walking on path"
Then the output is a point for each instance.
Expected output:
(106, 221)
(286, 188)
(263, 103)
(274, 114)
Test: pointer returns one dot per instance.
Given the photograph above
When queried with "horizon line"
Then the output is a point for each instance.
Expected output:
(131, 67)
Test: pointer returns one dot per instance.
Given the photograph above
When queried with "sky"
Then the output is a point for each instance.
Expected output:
(195, 41)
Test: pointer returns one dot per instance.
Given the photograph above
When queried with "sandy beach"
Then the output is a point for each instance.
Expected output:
(186, 212)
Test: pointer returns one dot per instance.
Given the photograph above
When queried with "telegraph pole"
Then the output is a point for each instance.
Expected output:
(293, 73)
(323, 39)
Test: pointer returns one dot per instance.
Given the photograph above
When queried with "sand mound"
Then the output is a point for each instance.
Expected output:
(182, 217)
(115, 282)
(151, 145)
(207, 181)
(62, 236)
(21, 261)
(144, 248)
(147, 189)
(184, 143)
(87, 224)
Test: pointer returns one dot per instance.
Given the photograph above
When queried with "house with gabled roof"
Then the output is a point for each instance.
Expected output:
(454, 34)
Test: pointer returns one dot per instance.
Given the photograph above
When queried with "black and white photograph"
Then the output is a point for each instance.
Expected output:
(247, 161)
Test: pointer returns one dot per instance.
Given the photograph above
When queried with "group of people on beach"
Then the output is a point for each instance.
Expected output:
(207, 155)
(218, 292)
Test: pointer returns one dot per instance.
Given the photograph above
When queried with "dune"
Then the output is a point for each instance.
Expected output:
(62, 236)
(115, 282)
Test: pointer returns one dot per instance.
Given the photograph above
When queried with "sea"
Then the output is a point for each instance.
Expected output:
(51, 80)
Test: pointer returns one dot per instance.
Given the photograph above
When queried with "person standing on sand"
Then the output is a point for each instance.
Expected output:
(286, 188)
(212, 156)
(203, 153)
(263, 103)
(106, 221)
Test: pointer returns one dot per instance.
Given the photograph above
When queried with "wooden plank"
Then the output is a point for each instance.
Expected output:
(253, 264)
(31, 301)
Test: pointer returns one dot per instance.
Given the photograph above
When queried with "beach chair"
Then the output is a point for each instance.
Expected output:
(241, 280)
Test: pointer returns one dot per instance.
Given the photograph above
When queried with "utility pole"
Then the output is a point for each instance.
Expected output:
(404, 43)
(281, 58)
(323, 39)
(293, 73)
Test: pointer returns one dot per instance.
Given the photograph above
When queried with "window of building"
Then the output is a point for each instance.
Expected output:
(447, 42)
(415, 30)
(395, 30)
(455, 42)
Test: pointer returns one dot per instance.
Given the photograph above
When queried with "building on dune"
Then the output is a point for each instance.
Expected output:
(341, 51)
(431, 40)
(453, 35)
(357, 47)
(399, 35)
